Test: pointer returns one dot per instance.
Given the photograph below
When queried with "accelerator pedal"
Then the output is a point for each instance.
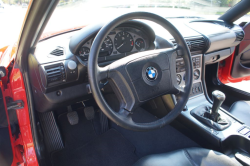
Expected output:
(72, 116)
(89, 113)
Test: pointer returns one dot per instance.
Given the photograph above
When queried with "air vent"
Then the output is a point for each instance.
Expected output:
(197, 44)
(58, 51)
(55, 73)
(239, 36)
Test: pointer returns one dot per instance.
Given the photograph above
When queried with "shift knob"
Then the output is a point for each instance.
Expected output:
(218, 99)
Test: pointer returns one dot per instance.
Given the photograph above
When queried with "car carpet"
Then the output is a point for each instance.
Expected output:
(85, 146)
(109, 149)
(156, 141)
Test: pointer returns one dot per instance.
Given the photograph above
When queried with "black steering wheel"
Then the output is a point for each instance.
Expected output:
(140, 77)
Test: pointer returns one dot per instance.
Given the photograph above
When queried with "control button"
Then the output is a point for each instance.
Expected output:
(58, 93)
(193, 91)
(199, 88)
(72, 65)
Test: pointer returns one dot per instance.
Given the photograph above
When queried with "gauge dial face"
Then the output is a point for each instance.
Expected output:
(123, 42)
(140, 44)
(107, 47)
(84, 52)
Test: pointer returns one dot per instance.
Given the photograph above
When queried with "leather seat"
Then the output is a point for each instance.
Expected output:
(241, 110)
(187, 157)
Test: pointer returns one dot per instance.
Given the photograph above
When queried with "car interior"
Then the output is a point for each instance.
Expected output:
(125, 92)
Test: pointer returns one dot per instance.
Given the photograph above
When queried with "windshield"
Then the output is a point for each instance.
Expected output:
(73, 14)
(69, 14)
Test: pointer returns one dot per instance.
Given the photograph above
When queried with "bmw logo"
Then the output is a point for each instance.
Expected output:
(151, 73)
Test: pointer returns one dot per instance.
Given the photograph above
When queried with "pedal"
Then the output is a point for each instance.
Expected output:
(104, 122)
(73, 117)
(89, 113)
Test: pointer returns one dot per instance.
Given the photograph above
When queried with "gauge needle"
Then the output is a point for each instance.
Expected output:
(121, 45)
(137, 44)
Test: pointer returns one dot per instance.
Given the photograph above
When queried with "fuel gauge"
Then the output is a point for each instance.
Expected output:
(84, 53)
(140, 44)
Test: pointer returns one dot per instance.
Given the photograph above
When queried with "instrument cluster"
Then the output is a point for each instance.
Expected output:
(121, 41)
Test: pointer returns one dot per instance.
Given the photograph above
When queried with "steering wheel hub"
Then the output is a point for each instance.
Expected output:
(151, 73)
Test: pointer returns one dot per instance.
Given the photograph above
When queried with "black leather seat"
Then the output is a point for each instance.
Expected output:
(241, 110)
(187, 157)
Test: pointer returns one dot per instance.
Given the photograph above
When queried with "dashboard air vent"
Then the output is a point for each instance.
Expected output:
(58, 51)
(55, 73)
(197, 44)
(239, 36)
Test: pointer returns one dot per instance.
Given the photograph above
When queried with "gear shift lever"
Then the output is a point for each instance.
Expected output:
(210, 116)
(218, 99)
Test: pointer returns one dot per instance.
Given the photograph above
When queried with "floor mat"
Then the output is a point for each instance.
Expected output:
(161, 140)
(78, 134)
(109, 149)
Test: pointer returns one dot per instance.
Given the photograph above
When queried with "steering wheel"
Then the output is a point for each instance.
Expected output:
(140, 77)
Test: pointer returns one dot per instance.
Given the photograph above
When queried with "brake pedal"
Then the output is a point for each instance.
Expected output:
(89, 113)
(72, 116)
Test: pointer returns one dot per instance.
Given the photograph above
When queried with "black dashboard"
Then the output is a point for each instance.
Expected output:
(58, 66)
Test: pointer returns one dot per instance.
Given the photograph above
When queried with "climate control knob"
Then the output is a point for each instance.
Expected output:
(178, 77)
(72, 65)
(196, 74)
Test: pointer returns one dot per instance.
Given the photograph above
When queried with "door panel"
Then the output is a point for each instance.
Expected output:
(236, 68)
(241, 65)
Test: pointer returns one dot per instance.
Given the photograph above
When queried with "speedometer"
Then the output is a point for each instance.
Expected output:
(107, 47)
(123, 42)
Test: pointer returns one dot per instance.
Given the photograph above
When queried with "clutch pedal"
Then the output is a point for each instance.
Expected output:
(72, 116)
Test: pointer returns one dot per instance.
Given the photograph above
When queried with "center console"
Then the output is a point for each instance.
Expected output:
(197, 70)
(208, 118)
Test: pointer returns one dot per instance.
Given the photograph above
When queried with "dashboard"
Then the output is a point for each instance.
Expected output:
(58, 65)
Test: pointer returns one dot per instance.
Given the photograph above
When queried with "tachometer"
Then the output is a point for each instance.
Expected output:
(107, 47)
(123, 42)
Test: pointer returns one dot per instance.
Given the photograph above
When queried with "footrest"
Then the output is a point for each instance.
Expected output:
(89, 113)
(73, 117)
